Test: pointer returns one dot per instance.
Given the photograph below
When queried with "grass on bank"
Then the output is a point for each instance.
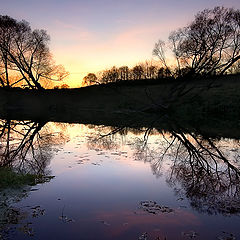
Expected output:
(11, 179)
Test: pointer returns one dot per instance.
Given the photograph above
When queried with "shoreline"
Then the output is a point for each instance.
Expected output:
(117, 105)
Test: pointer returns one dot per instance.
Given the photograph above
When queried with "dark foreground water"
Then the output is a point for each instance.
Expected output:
(119, 183)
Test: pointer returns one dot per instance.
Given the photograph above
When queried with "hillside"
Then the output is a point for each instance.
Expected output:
(185, 99)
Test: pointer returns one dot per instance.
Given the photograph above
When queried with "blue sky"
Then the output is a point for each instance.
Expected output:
(88, 36)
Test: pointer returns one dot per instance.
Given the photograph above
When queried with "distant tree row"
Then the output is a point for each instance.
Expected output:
(146, 70)
(25, 59)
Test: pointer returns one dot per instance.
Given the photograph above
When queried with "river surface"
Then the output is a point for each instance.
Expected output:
(120, 183)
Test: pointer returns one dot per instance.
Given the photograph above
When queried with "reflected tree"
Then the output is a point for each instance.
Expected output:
(206, 169)
(200, 165)
(210, 180)
(110, 138)
(103, 138)
(26, 146)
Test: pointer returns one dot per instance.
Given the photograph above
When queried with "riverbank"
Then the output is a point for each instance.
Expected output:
(120, 103)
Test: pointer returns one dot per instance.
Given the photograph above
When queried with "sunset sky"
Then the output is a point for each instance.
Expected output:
(89, 36)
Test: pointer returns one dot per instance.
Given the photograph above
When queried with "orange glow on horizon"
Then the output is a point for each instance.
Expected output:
(87, 53)
(78, 71)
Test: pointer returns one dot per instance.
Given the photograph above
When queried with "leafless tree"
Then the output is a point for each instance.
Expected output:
(210, 44)
(109, 75)
(90, 79)
(137, 72)
(124, 73)
(24, 55)
(159, 51)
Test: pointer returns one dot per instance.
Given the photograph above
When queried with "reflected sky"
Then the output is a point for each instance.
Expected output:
(98, 188)
(88, 36)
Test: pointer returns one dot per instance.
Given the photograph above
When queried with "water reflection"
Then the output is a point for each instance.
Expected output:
(121, 182)
(209, 178)
(27, 146)
(203, 169)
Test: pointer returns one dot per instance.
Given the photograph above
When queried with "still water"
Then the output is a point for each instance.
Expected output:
(119, 183)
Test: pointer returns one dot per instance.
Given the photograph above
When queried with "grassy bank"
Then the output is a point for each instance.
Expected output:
(195, 99)
(11, 179)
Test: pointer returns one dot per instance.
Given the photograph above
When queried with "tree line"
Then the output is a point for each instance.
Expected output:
(146, 70)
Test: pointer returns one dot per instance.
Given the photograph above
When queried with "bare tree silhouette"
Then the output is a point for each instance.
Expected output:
(209, 45)
(24, 55)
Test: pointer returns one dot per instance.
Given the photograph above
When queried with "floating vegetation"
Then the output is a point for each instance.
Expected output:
(143, 236)
(66, 219)
(80, 162)
(226, 236)
(154, 208)
(63, 217)
(11, 217)
(27, 229)
(37, 211)
(190, 234)
(105, 223)
(15, 187)
(96, 164)
(116, 153)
